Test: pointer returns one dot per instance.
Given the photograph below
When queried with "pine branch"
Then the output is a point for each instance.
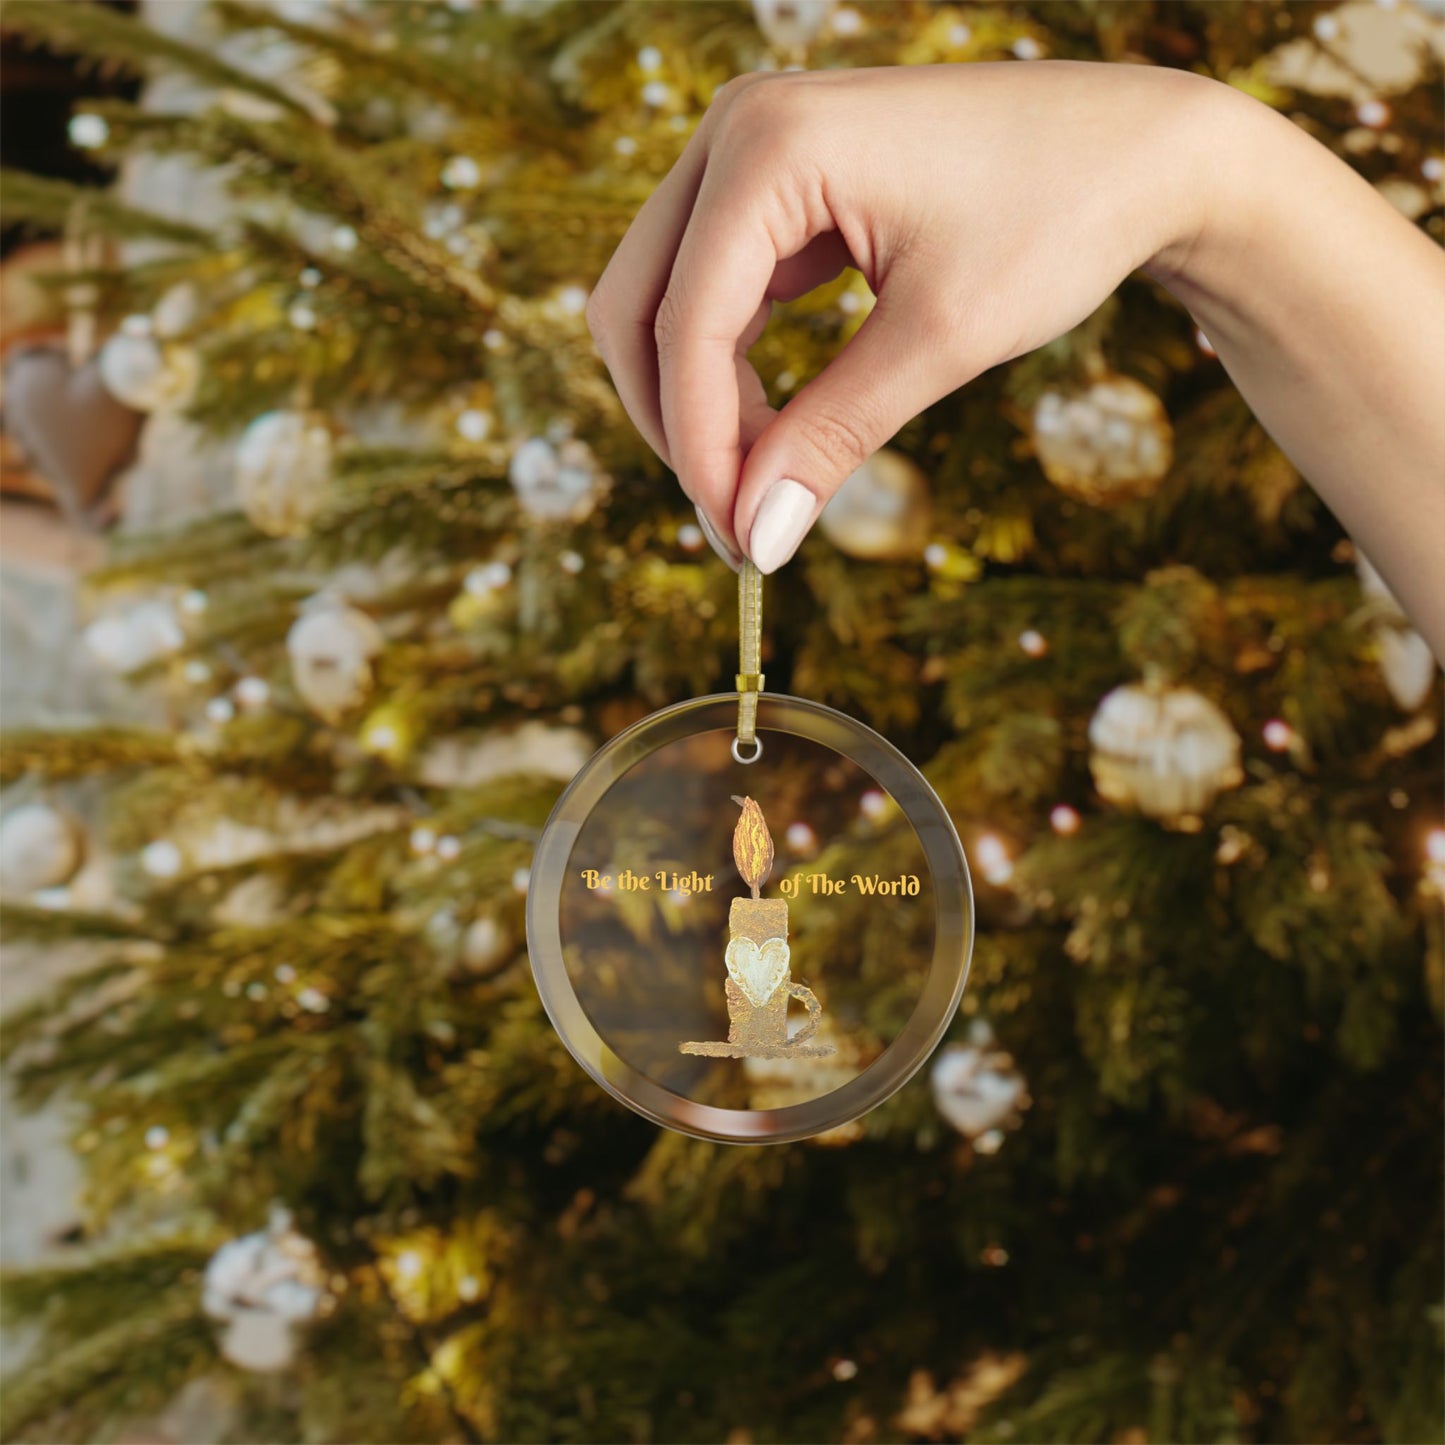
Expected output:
(119, 42)
(52, 204)
(82, 752)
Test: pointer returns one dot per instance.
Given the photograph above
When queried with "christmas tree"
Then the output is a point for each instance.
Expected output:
(1176, 1174)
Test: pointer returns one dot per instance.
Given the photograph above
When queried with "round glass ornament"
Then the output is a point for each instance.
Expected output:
(750, 944)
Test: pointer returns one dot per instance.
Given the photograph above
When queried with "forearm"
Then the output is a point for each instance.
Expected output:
(1327, 309)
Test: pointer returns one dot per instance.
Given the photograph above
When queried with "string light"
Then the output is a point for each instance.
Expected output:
(449, 849)
(689, 537)
(423, 840)
(461, 173)
(801, 838)
(474, 425)
(253, 692)
(490, 577)
(1278, 735)
(845, 1370)
(220, 710)
(87, 131)
(873, 804)
(1033, 642)
(161, 859)
(993, 859)
(1064, 820)
(572, 300)
(313, 1000)
(408, 1264)
(1373, 113)
(157, 1136)
(380, 738)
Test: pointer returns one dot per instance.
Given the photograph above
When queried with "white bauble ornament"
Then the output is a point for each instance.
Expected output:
(558, 482)
(40, 847)
(261, 1286)
(881, 512)
(331, 647)
(792, 25)
(1406, 661)
(139, 372)
(136, 636)
(487, 945)
(976, 1087)
(1108, 443)
(283, 470)
(1164, 751)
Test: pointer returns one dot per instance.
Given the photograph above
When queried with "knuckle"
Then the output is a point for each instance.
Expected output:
(764, 115)
(840, 441)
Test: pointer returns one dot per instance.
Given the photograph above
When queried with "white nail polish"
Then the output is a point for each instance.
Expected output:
(782, 522)
(715, 541)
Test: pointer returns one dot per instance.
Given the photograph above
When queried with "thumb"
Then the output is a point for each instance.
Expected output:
(901, 360)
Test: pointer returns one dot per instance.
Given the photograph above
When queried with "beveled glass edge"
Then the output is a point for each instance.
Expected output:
(953, 913)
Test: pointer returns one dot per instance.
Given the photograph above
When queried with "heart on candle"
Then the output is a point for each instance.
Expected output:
(758, 971)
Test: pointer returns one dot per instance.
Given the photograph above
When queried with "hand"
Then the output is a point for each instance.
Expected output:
(989, 207)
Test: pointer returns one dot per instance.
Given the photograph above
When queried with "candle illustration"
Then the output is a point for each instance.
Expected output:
(758, 985)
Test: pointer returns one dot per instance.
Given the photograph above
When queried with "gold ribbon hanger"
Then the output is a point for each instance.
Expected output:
(750, 660)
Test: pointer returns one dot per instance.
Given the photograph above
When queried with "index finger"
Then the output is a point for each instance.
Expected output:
(718, 287)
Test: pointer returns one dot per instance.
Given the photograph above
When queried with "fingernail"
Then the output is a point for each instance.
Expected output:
(781, 524)
(715, 541)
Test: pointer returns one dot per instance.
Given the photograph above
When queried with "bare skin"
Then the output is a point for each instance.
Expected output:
(990, 209)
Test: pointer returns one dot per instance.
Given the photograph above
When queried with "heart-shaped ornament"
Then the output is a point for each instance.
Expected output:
(74, 431)
(758, 971)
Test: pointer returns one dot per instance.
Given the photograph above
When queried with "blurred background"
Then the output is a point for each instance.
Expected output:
(329, 556)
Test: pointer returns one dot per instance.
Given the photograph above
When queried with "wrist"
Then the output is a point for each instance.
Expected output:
(1221, 147)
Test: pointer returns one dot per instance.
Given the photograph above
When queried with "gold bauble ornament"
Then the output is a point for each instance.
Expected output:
(147, 375)
(283, 470)
(331, 647)
(487, 945)
(1162, 751)
(881, 512)
(1110, 442)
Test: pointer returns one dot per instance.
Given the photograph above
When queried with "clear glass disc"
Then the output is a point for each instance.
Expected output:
(739, 1016)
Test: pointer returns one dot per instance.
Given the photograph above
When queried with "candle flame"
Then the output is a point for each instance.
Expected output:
(752, 846)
